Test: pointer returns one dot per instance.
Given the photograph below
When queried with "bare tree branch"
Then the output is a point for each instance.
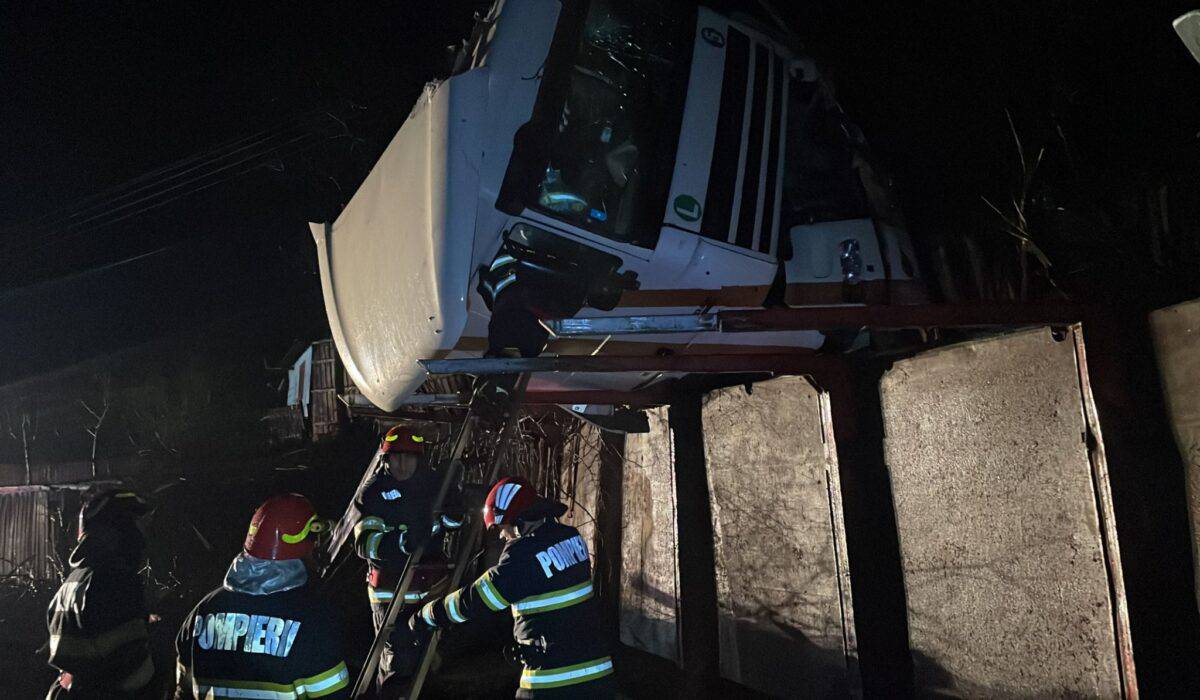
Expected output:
(95, 430)
(25, 447)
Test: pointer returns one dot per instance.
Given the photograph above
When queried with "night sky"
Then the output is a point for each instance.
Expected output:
(103, 93)
(98, 94)
(1107, 88)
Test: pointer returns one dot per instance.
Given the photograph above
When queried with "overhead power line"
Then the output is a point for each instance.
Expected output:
(194, 190)
(148, 179)
(9, 294)
(179, 179)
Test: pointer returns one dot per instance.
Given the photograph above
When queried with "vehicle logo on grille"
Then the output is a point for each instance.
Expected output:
(713, 37)
(687, 208)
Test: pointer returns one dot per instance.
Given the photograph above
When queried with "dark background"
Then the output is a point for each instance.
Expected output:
(98, 94)
(271, 114)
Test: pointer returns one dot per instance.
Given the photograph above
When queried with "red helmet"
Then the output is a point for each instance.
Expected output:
(508, 499)
(283, 528)
(401, 438)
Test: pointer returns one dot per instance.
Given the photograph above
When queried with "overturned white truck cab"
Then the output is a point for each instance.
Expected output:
(606, 158)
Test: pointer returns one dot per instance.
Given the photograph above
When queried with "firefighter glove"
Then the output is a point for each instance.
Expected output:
(423, 619)
(413, 539)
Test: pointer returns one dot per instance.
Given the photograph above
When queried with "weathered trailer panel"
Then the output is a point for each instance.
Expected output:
(1002, 544)
(786, 616)
(649, 546)
(1176, 332)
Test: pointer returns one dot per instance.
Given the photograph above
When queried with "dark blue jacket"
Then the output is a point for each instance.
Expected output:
(97, 619)
(545, 578)
(396, 517)
(287, 643)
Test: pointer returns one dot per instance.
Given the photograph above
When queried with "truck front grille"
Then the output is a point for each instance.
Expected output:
(742, 203)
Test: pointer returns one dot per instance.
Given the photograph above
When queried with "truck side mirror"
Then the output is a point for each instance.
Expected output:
(1188, 28)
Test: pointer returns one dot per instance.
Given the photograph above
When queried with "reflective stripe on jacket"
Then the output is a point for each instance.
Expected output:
(321, 685)
(98, 631)
(544, 577)
(395, 517)
(280, 645)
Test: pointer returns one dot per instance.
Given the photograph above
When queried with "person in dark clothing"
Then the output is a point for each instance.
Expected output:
(544, 575)
(395, 517)
(265, 633)
(97, 619)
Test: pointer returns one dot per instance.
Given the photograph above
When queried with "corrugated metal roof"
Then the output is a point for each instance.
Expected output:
(28, 535)
(57, 473)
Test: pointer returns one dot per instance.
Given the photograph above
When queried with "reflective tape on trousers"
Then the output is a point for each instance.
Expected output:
(566, 675)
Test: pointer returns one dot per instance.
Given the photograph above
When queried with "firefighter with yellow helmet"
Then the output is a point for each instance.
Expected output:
(98, 619)
(395, 517)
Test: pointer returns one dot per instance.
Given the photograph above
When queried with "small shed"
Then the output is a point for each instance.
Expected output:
(315, 379)
(31, 528)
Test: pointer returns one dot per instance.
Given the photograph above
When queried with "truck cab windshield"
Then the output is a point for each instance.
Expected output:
(612, 152)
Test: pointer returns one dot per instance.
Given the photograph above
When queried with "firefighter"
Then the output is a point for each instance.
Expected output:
(396, 516)
(545, 576)
(97, 619)
(265, 633)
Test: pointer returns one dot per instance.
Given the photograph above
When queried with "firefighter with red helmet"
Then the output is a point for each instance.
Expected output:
(265, 633)
(544, 575)
(395, 517)
(97, 619)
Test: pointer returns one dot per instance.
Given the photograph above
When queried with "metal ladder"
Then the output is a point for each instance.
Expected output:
(466, 545)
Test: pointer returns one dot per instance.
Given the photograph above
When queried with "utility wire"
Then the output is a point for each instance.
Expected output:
(166, 190)
(8, 294)
(158, 204)
(201, 188)
(162, 186)
(164, 173)
(154, 200)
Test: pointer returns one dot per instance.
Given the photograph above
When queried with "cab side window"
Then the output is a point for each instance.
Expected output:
(820, 180)
(613, 151)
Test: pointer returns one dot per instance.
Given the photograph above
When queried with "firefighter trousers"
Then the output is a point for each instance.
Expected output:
(400, 656)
